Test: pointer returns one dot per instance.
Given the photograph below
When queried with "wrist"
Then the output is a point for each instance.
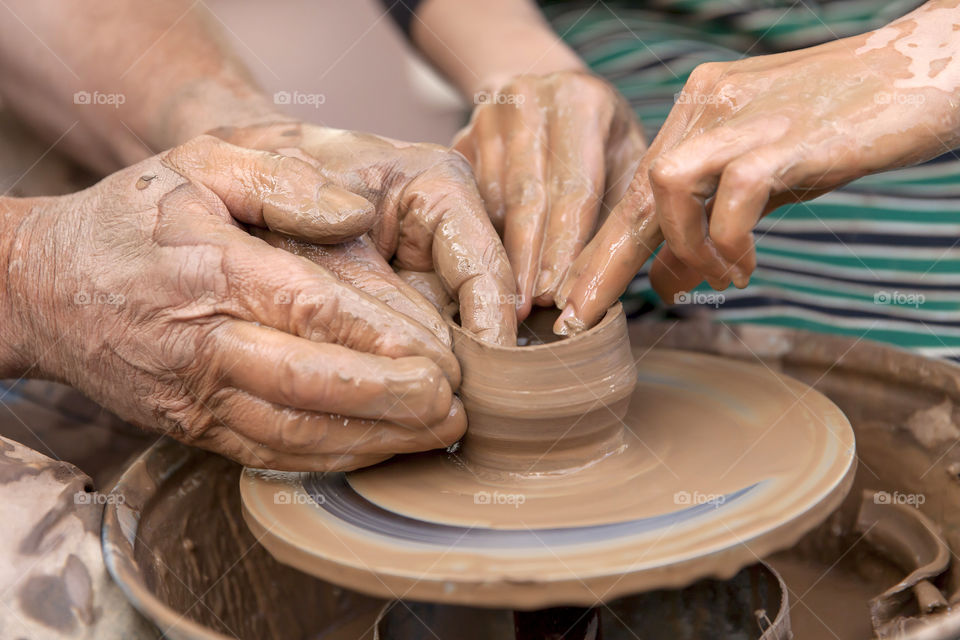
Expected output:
(542, 54)
(477, 30)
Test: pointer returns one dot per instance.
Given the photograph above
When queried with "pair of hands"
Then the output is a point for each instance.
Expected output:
(147, 293)
(743, 138)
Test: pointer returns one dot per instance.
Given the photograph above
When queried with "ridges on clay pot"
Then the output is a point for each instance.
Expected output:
(548, 406)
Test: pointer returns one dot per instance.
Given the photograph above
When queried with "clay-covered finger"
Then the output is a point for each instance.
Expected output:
(482, 145)
(357, 262)
(526, 201)
(301, 374)
(669, 275)
(625, 240)
(601, 274)
(304, 433)
(261, 434)
(741, 199)
(577, 173)
(446, 228)
(683, 178)
(272, 191)
(429, 285)
(231, 443)
(624, 154)
(292, 294)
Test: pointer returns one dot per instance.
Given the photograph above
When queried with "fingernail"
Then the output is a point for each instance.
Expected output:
(568, 323)
(336, 203)
(718, 285)
(740, 278)
(546, 282)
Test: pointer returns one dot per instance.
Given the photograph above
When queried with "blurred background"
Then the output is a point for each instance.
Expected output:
(350, 52)
(370, 79)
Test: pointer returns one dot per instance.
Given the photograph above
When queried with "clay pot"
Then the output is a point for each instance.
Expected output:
(549, 406)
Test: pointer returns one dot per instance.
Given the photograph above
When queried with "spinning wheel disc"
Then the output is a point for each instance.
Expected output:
(721, 463)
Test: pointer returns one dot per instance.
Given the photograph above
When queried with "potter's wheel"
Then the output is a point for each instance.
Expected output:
(719, 463)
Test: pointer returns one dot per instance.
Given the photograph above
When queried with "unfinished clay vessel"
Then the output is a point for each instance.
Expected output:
(551, 404)
(583, 477)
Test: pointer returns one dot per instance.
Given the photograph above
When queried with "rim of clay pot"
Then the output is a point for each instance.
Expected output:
(523, 402)
(118, 535)
(609, 317)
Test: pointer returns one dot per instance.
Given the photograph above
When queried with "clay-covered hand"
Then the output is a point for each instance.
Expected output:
(748, 136)
(430, 215)
(146, 293)
(549, 151)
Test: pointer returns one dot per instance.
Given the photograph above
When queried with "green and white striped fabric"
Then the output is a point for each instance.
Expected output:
(878, 259)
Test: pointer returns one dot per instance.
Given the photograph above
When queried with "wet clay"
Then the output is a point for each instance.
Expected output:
(706, 465)
(549, 406)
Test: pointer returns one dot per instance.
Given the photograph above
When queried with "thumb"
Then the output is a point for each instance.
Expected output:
(276, 192)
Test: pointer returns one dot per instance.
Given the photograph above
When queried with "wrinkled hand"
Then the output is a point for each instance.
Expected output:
(748, 136)
(549, 152)
(146, 293)
(430, 215)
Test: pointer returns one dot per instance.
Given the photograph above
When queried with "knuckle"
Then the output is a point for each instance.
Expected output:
(187, 419)
(685, 253)
(705, 74)
(668, 172)
(590, 86)
(188, 153)
(296, 383)
(302, 431)
(291, 169)
(527, 190)
(452, 165)
(726, 239)
(740, 175)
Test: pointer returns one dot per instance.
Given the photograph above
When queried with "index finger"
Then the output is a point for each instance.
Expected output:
(276, 192)
(625, 241)
(602, 272)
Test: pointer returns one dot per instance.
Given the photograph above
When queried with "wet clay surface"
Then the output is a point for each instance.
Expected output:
(714, 454)
(892, 399)
(548, 407)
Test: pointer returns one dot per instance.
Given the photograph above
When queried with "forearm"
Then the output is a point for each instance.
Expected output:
(480, 44)
(14, 350)
(128, 78)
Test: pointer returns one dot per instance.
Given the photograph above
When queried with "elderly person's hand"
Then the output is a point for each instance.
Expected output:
(146, 293)
(750, 135)
(549, 151)
(430, 216)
